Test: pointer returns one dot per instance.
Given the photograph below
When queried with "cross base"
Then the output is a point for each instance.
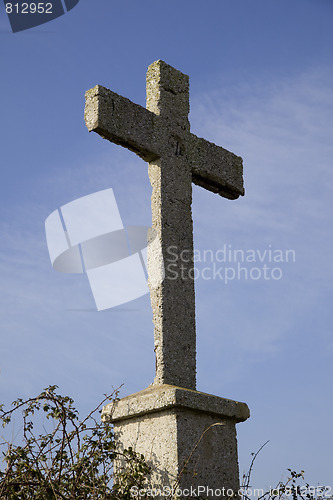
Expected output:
(165, 423)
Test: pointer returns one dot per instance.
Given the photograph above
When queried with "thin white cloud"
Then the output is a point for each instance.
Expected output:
(282, 132)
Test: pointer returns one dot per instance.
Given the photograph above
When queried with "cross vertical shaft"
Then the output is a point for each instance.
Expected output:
(173, 301)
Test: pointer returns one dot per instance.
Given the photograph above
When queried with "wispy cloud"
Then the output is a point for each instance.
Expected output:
(282, 130)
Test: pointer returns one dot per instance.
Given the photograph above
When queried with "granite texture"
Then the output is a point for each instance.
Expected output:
(161, 136)
(170, 422)
(187, 437)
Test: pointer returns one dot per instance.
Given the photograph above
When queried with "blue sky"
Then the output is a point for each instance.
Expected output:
(261, 80)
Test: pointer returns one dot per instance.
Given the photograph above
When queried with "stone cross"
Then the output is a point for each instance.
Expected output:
(160, 135)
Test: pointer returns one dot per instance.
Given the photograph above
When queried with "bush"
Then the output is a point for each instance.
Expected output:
(293, 488)
(73, 460)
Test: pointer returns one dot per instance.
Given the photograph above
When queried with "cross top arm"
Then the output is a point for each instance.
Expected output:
(149, 132)
(215, 168)
(121, 121)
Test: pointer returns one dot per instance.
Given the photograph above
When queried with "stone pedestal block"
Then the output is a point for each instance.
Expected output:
(188, 438)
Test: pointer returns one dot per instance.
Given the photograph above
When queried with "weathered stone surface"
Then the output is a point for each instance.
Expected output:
(120, 121)
(170, 421)
(215, 168)
(157, 398)
(161, 135)
(165, 423)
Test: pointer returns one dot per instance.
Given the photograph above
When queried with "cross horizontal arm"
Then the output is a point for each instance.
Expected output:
(215, 168)
(121, 121)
